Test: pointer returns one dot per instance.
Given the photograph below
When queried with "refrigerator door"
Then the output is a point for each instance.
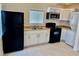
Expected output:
(74, 21)
(70, 38)
(71, 34)
(13, 31)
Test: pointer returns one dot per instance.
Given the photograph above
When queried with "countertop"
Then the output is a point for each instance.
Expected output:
(29, 28)
(65, 27)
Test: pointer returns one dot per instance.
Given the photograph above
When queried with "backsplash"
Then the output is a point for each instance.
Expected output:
(63, 22)
(59, 22)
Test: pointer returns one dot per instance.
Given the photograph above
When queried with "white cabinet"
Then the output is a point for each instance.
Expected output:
(63, 34)
(26, 37)
(44, 36)
(30, 38)
(36, 37)
(65, 14)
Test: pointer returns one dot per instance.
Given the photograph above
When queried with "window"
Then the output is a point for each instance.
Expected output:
(36, 16)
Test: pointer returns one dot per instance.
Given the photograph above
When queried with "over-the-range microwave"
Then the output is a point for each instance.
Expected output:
(51, 15)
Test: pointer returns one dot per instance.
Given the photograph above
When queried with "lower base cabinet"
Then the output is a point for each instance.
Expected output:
(63, 34)
(36, 37)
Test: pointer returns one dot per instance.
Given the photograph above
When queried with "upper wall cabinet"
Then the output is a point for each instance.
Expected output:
(65, 14)
(54, 10)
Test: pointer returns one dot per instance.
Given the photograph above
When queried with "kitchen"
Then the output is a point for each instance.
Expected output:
(68, 12)
(66, 22)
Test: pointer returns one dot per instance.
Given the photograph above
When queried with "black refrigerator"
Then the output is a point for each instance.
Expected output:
(13, 31)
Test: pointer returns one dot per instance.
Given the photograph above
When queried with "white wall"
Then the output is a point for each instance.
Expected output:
(0, 23)
(1, 50)
(25, 7)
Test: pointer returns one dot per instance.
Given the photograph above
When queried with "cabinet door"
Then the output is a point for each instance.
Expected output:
(44, 37)
(30, 38)
(26, 39)
(33, 38)
(65, 14)
(63, 34)
(38, 37)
